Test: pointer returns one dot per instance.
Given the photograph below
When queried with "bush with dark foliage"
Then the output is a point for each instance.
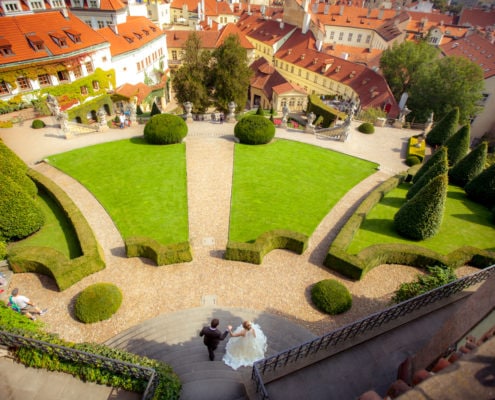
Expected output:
(470, 166)
(444, 129)
(435, 170)
(331, 296)
(482, 188)
(254, 129)
(441, 153)
(97, 302)
(458, 145)
(165, 129)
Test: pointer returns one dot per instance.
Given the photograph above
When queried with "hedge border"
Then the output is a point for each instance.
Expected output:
(356, 266)
(159, 253)
(276, 239)
(50, 262)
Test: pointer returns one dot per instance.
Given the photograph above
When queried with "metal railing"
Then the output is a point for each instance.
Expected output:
(94, 360)
(359, 327)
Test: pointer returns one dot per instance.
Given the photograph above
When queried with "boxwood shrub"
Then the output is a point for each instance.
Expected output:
(412, 160)
(254, 129)
(482, 187)
(37, 124)
(97, 302)
(366, 127)
(331, 297)
(470, 166)
(444, 129)
(165, 129)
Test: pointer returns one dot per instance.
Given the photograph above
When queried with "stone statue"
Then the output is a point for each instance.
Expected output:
(285, 116)
(231, 115)
(188, 108)
(310, 127)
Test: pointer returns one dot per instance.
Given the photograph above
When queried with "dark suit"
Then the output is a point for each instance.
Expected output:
(212, 337)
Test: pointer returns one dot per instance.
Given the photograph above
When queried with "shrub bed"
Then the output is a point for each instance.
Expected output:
(331, 297)
(165, 129)
(161, 254)
(254, 129)
(97, 302)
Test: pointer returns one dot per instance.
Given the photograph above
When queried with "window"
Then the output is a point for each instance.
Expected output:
(88, 22)
(349, 37)
(36, 5)
(307, 75)
(4, 89)
(332, 35)
(96, 85)
(292, 69)
(174, 55)
(138, 67)
(77, 71)
(74, 36)
(89, 67)
(341, 36)
(44, 80)
(57, 3)
(6, 50)
(101, 24)
(359, 37)
(84, 90)
(77, 3)
(104, 59)
(93, 4)
(23, 83)
(59, 39)
(368, 39)
(11, 7)
(63, 76)
(299, 71)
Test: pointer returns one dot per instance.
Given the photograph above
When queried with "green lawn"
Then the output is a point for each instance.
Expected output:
(288, 185)
(57, 232)
(143, 187)
(464, 223)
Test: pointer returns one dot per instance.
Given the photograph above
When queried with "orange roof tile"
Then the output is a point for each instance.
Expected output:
(477, 17)
(111, 5)
(140, 90)
(423, 22)
(20, 30)
(475, 48)
(267, 31)
(132, 34)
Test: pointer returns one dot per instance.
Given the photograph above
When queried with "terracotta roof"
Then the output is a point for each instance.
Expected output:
(192, 5)
(477, 49)
(370, 86)
(140, 90)
(264, 30)
(232, 29)
(132, 34)
(22, 31)
(477, 17)
(111, 5)
(423, 22)
(360, 55)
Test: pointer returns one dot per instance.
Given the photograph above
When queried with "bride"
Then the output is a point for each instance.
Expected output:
(246, 345)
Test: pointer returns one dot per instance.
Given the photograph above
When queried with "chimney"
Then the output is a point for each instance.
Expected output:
(65, 13)
(114, 28)
(380, 13)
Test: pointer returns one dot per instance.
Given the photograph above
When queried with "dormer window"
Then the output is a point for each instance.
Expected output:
(12, 6)
(93, 3)
(36, 5)
(129, 39)
(5, 47)
(153, 29)
(36, 42)
(77, 3)
(146, 32)
(73, 35)
(57, 3)
(139, 36)
(59, 39)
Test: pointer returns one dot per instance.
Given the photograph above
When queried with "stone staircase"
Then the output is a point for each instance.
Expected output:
(174, 339)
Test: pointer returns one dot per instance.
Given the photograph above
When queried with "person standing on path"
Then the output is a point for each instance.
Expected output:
(212, 336)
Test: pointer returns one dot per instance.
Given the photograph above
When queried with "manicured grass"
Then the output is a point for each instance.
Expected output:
(288, 185)
(464, 223)
(57, 232)
(142, 187)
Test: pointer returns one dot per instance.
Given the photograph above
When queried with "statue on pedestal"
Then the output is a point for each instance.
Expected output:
(188, 108)
(310, 127)
(285, 116)
(231, 115)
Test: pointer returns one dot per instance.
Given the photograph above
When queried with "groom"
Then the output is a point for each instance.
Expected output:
(212, 336)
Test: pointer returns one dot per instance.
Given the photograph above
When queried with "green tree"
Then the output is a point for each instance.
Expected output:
(482, 187)
(458, 145)
(439, 168)
(400, 64)
(440, 154)
(470, 166)
(421, 217)
(444, 129)
(192, 79)
(444, 84)
(230, 74)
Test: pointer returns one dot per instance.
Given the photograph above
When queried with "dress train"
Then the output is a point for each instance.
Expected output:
(243, 351)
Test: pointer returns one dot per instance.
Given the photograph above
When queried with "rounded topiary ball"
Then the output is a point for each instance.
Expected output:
(331, 296)
(254, 129)
(413, 160)
(165, 129)
(366, 127)
(97, 302)
(37, 124)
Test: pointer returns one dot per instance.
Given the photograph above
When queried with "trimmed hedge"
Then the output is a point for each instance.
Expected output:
(165, 129)
(366, 127)
(482, 187)
(435, 170)
(159, 253)
(444, 129)
(37, 124)
(470, 166)
(277, 239)
(440, 154)
(97, 302)
(356, 266)
(325, 114)
(414, 150)
(458, 145)
(49, 262)
(169, 385)
(16, 169)
(254, 129)
(331, 297)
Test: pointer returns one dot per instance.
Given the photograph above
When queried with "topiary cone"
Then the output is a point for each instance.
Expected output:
(482, 187)
(441, 153)
(470, 166)
(439, 168)
(458, 145)
(444, 129)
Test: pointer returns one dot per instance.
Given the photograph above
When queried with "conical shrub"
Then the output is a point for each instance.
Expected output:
(155, 110)
(470, 166)
(421, 217)
(444, 129)
(13, 167)
(20, 215)
(440, 154)
(458, 145)
(435, 170)
(482, 188)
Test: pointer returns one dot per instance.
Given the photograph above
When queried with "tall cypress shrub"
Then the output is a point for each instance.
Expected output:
(13, 167)
(444, 129)
(154, 110)
(482, 188)
(458, 145)
(421, 217)
(440, 154)
(440, 168)
(470, 166)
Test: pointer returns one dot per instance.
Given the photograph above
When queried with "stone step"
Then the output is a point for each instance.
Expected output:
(213, 389)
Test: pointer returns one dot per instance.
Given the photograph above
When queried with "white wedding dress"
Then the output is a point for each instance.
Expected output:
(243, 351)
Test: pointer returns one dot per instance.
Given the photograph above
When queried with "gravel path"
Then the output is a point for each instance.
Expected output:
(280, 285)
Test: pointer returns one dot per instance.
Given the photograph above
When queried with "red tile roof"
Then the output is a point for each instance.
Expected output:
(23, 30)
(140, 90)
(477, 49)
(477, 17)
(111, 5)
(132, 34)
(266, 31)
